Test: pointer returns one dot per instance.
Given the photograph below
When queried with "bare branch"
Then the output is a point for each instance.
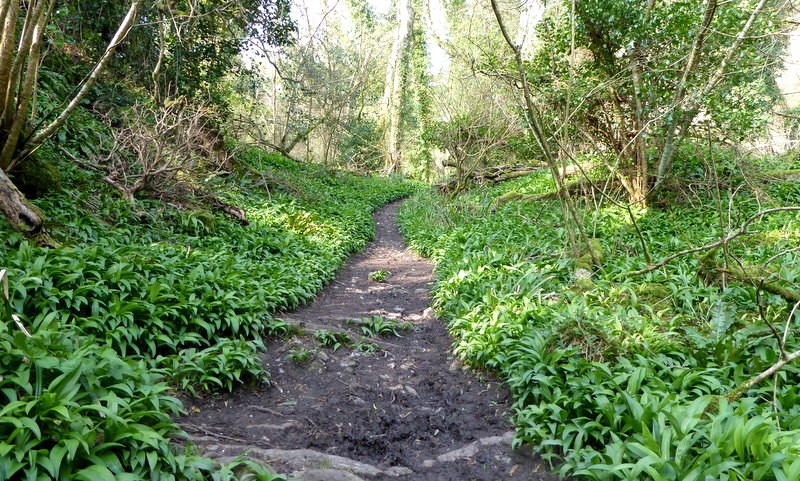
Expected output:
(744, 387)
(537, 130)
(686, 115)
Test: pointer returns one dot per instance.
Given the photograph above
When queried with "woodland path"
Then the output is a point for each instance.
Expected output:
(408, 412)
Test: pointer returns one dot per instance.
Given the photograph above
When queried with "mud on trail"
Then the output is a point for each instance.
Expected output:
(405, 412)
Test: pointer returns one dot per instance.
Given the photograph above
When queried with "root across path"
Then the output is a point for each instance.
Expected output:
(368, 389)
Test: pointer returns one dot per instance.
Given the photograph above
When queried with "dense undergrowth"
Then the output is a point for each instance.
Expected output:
(625, 376)
(140, 301)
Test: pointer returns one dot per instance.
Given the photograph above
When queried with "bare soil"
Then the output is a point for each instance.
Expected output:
(407, 411)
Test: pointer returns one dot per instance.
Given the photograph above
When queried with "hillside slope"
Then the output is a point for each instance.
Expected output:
(141, 299)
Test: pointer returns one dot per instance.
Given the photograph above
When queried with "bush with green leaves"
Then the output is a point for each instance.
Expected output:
(330, 339)
(378, 326)
(76, 410)
(628, 377)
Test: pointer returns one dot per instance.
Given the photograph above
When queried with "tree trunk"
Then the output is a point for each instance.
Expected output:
(9, 18)
(17, 92)
(641, 181)
(119, 36)
(22, 216)
(684, 114)
(395, 85)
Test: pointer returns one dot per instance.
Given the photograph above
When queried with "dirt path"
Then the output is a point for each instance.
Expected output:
(407, 412)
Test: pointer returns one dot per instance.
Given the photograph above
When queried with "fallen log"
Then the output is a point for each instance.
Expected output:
(488, 175)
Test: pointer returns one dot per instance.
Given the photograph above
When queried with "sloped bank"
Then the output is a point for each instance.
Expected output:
(623, 377)
(138, 301)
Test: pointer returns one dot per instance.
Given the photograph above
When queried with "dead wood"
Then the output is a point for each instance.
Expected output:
(708, 247)
(237, 213)
(488, 175)
(761, 278)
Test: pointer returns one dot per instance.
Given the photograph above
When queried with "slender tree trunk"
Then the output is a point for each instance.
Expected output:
(119, 36)
(641, 181)
(276, 132)
(17, 91)
(18, 106)
(395, 85)
(538, 132)
(162, 48)
(10, 11)
(684, 114)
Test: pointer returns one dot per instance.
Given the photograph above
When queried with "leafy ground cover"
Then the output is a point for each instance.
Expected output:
(626, 376)
(139, 301)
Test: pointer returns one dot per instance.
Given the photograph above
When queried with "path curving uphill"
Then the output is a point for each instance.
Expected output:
(406, 411)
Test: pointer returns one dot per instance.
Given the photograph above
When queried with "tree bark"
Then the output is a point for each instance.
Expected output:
(10, 12)
(737, 393)
(22, 216)
(16, 103)
(758, 278)
(395, 85)
(640, 183)
(682, 115)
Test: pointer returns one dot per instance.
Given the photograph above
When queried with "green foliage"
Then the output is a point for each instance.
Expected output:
(377, 326)
(137, 303)
(379, 276)
(331, 340)
(219, 367)
(360, 147)
(74, 409)
(201, 41)
(624, 378)
(367, 348)
(301, 355)
(639, 51)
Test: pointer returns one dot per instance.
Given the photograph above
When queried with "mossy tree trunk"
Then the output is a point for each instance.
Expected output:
(396, 84)
(22, 216)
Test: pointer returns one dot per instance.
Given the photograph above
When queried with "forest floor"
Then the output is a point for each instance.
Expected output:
(408, 412)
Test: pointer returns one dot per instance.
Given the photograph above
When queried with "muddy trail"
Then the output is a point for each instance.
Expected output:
(381, 408)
